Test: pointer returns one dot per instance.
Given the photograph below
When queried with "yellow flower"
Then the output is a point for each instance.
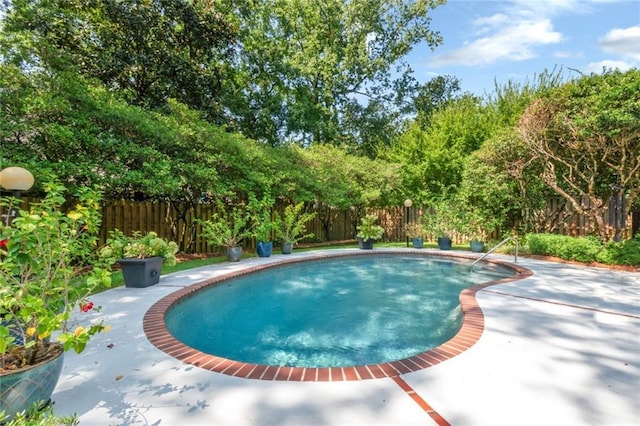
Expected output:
(106, 328)
(78, 331)
(31, 331)
(75, 215)
(44, 335)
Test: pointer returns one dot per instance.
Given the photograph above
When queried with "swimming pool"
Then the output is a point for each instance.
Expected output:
(238, 319)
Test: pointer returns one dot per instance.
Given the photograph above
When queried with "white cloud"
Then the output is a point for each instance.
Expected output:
(567, 54)
(598, 67)
(623, 42)
(514, 42)
(546, 8)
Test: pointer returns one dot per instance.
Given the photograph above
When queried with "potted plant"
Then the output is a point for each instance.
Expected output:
(49, 269)
(290, 226)
(227, 228)
(443, 222)
(368, 231)
(416, 232)
(140, 256)
(476, 237)
(262, 224)
(261, 230)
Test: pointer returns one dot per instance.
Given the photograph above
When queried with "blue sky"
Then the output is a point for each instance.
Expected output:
(491, 40)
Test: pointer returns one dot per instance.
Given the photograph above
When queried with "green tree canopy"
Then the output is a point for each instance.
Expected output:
(147, 51)
(585, 136)
(434, 157)
(303, 64)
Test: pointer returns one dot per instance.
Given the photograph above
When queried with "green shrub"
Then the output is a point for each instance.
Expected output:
(582, 249)
(585, 249)
(621, 253)
(542, 244)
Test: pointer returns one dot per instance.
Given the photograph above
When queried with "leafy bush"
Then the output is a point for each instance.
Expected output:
(585, 249)
(622, 253)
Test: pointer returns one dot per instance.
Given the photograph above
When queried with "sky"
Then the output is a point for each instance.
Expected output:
(488, 41)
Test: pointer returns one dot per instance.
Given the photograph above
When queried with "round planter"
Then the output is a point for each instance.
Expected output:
(264, 248)
(20, 389)
(365, 244)
(234, 254)
(477, 246)
(287, 248)
(444, 243)
(417, 242)
(141, 273)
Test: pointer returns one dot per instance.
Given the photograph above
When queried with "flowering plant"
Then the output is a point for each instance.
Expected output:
(368, 229)
(139, 246)
(50, 266)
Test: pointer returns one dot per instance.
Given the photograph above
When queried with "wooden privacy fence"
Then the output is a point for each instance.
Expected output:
(329, 225)
(178, 222)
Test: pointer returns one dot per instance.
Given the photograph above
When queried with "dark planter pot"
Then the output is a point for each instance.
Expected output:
(20, 389)
(477, 246)
(287, 248)
(264, 248)
(365, 244)
(234, 254)
(139, 273)
(417, 242)
(444, 243)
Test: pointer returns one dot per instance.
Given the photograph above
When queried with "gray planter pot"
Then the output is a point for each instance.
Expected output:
(287, 248)
(20, 389)
(139, 273)
(417, 242)
(477, 246)
(234, 254)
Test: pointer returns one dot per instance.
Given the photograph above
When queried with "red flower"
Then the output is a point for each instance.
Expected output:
(87, 307)
(3, 244)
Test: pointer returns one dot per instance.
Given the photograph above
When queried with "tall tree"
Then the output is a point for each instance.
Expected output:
(434, 157)
(303, 62)
(586, 137)
(433, 95)
(149, 50)
(498, 183)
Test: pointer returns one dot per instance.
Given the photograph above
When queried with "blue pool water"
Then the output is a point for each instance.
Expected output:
(343, 311)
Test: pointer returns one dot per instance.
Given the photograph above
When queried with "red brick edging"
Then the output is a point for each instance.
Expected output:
(470, 332)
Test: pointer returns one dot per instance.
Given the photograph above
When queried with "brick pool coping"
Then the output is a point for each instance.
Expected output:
(469, 333)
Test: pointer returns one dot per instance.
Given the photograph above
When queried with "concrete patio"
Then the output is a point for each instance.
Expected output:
(561, 347)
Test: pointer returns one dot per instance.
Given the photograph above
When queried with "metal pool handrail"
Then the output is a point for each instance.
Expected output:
(496, 247)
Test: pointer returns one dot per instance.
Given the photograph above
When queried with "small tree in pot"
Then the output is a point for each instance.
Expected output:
(290, 226)
(261, 223)
(416, 232)
(227, 228)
